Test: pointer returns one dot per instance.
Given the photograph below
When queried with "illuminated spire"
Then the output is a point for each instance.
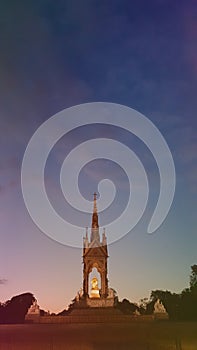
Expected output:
(95, 226)
(95, 214)
(95, 207)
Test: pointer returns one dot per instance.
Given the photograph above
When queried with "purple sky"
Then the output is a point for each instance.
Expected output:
(54, 55)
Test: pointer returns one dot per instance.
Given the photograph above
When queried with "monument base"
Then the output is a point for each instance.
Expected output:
(32, 318)
(95, 310)
(98, 311)
(96, 314)
(161, 316)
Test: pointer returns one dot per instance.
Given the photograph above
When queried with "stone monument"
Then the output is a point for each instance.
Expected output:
(95, 256)
(33, 312)
(159, 310)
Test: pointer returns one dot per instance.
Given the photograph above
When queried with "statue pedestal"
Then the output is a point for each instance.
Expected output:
(95, 300)
(94, 294)
(89, 309)
(99, 302)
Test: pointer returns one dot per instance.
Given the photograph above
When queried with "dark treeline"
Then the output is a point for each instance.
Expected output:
(14, 310)
(127, 307)
(180, 307)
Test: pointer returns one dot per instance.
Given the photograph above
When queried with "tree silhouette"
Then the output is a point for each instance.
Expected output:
(171, 302)
(14, 310)
(181, 306)
(127, 307)
(193, 278)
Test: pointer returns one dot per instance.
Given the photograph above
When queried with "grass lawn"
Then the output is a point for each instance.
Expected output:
(136, 336)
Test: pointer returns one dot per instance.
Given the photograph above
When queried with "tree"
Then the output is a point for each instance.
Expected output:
(181, 306)
(188, 307)
(189, 298)
(193, 278)
(143, 305)
(14, 310)
(127, 307)
(171, 302)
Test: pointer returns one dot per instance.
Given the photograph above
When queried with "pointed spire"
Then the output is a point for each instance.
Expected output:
(85, 239)
(95, 214)
(95, 225)
(95, 206)
(86, 232)
(104, 238)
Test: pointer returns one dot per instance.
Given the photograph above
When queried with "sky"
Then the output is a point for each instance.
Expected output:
(55, 55)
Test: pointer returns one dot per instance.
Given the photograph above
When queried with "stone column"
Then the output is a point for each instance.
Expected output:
(103, 284)
(85, 283)
(106, 280)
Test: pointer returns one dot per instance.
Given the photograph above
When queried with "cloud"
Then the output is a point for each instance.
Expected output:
(9, 173)
(3, 281)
